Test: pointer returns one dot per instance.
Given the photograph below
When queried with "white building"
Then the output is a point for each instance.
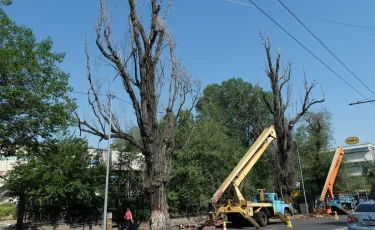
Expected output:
(357, 155)
(6, 164)
(120, 160)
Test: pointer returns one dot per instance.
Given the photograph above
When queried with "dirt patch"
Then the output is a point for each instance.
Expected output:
(313, 216)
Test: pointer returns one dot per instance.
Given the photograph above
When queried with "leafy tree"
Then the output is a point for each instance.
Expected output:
(57, 178)
(34, 105)
(201, 166)
(230, 116)
(369, 173)
(238, 106)
(313, 138)
(6, 2)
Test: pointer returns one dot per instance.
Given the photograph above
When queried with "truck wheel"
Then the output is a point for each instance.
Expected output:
(262, 218)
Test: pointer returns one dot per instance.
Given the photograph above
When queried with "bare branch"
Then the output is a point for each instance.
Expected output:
(307, 102)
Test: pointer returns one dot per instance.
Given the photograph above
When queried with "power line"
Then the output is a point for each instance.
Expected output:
(100, 94)
(340, 23)
(324, 45)
(307, 49)
(313, 18)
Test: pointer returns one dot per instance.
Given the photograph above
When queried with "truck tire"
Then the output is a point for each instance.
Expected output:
(262, 219)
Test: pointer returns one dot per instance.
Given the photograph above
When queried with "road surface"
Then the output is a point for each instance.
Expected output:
(311, 224)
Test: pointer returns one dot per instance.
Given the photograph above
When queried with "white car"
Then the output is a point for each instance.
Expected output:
(363, 217)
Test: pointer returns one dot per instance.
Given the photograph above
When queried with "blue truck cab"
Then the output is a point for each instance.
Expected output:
(345, 200)
(278, 205)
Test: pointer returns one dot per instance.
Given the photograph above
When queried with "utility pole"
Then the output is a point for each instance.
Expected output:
(109, 157)
(108, 164)
(303, 184)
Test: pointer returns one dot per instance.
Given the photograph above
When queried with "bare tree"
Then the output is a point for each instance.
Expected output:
(284, 170)
(154, 70)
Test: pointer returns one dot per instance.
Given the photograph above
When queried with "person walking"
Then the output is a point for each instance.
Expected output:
(128, 219)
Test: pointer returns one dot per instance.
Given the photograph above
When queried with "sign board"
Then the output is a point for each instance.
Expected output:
(352, 140)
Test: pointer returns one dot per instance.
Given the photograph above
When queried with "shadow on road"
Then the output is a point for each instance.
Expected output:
(232, 226)
(333, 223)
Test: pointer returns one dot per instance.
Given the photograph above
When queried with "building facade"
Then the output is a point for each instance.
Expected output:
(357, 155)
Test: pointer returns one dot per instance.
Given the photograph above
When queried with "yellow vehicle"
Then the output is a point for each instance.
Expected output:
(238, 210)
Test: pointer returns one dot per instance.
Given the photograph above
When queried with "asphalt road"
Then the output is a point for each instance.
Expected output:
(312, 224)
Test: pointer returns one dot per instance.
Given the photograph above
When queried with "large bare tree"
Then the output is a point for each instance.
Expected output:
(153, 70)
(280, 84)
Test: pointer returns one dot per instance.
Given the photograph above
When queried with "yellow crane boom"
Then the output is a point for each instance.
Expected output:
(244, 166)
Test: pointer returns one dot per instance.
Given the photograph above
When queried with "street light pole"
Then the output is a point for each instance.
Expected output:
(108, 164)
(109, 158)
(303, 184)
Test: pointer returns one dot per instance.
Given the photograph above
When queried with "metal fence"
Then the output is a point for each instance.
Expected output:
(125, 191)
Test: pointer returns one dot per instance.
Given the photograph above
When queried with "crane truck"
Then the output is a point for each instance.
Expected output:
(238, 210)
(327, 202)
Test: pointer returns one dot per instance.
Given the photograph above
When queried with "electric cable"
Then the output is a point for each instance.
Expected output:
(307, 49)
(324, 45)
(313, 18)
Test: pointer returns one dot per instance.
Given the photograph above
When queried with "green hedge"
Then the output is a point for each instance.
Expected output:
(8, 209)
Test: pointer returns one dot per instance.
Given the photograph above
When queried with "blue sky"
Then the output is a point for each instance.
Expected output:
(218, 40)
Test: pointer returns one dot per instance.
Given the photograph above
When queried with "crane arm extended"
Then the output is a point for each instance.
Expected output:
(336, 162)
(245, 165)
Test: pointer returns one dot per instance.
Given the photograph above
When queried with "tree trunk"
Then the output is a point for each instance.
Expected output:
(20, 212)
(159, 212)
(285, 170)
(156, 184)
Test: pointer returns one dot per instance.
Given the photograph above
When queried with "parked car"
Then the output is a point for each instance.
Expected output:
(363, 217)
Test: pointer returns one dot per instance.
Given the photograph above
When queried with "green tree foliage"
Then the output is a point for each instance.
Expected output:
(313, 138)
(58, 178)
(369, 173)
(6, 2)
(238, 106)
(230, 117)
(200, 168)
(33, 88)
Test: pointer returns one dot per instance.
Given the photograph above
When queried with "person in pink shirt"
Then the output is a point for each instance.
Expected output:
(128, 218)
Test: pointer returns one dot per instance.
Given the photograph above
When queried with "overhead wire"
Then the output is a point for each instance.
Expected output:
(313, 18)
(308, 50)
(324, 45)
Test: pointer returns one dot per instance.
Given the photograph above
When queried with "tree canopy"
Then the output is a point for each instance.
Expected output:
(34, 105)
(230, 117)
(58, 178)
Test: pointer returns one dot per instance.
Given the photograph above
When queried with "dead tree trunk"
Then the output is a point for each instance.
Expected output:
(144, 81)
(284, 169)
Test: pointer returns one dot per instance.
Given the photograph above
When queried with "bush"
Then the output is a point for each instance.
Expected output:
(8, 209)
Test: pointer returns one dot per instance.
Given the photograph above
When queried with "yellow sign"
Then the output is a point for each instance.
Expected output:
(352, 140)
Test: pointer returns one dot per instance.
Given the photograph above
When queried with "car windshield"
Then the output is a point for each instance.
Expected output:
(365, 208)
